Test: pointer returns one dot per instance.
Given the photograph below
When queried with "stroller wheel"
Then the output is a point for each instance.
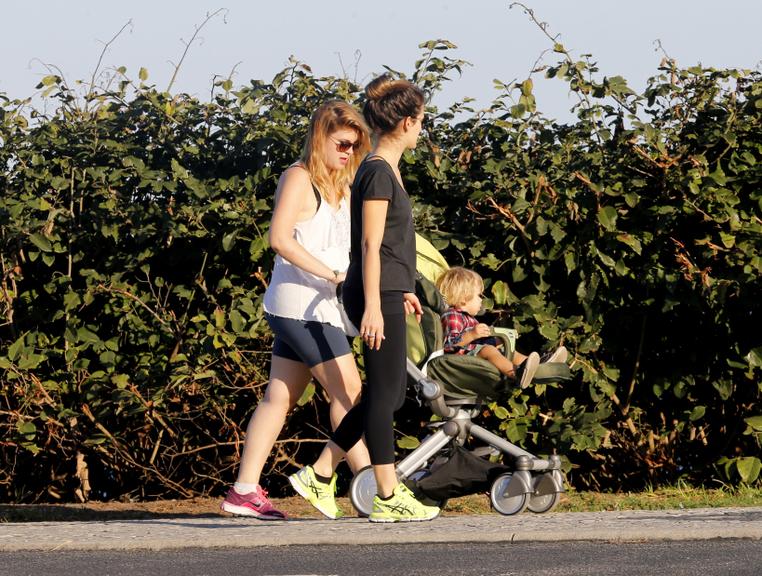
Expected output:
(501, 498)
(541, 500)
(362, 490)
(544, 503)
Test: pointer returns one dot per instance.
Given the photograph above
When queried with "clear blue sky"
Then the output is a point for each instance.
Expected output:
(258, 37)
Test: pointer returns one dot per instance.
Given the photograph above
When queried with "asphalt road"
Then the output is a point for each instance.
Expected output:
(717, 557)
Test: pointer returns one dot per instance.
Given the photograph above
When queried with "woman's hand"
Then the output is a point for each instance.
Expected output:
(413, 305)
(338, 278)
(372, 327)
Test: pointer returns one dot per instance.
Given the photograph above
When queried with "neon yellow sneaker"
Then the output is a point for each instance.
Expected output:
(401, 507)
(321, 495)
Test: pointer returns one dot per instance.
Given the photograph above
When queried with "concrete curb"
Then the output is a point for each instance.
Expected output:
(227, 532)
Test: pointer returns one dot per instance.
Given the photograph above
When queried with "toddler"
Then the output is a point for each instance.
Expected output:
(464, 334)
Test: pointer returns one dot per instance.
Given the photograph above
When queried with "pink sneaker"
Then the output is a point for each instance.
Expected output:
(255, 504)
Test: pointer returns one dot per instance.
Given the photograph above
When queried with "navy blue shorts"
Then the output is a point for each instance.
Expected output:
(307, 341)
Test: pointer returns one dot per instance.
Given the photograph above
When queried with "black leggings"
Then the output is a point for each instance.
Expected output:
(386, 383)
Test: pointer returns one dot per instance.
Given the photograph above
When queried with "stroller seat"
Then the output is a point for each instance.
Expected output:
(455, 387)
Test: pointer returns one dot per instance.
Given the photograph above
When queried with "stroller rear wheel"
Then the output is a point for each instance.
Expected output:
(503, 501)
(362, 490)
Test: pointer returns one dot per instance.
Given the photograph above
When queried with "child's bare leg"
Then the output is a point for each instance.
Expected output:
(518, 358)
(493, 355)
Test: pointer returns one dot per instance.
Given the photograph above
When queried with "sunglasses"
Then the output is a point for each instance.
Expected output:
(345, 145)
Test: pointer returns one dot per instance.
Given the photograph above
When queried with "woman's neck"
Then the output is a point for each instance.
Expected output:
(390, 149)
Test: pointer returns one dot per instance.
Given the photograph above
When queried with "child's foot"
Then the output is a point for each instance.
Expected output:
(527, 369)
(558, 355)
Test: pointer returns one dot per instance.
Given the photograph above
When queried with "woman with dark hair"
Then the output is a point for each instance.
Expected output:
(380, 286)
(310, 232)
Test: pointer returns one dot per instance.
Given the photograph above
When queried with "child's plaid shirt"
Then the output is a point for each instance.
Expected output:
(454, 323)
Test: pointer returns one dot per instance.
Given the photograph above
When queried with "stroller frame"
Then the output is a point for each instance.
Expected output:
(535, 483)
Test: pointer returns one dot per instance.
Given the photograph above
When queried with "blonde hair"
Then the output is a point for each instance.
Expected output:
(327, 119)
(458, 285)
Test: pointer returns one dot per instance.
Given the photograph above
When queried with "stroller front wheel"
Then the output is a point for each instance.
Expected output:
(544, 503)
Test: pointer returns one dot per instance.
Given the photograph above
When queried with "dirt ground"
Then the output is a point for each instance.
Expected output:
(293, 506)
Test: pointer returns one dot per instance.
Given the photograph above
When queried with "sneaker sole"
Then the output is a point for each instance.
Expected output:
(529, 370)
(244, 511)
(297, 486)
(561, 354)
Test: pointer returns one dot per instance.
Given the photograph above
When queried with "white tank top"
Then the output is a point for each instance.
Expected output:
(294, 293)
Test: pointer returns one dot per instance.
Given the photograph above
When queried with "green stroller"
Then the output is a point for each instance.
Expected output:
(455, 387)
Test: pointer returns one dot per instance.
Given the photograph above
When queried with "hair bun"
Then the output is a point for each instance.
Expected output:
(382, 86)
(389, 100)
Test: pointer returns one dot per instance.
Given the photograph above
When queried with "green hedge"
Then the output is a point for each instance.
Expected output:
(134, 259)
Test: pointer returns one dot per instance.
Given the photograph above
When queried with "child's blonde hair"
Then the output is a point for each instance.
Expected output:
(458, 285)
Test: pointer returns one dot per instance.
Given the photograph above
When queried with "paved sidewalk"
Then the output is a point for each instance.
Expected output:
(158, 534)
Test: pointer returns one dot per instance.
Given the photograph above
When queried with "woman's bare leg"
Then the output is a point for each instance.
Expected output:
(288, 380)
(341, 380)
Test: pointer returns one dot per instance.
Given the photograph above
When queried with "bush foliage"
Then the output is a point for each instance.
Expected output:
(134, 259)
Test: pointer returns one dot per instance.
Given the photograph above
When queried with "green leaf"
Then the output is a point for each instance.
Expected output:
(120, 380)
(607, 216)
(748, 468)
(143, 74)
(14, 350)
(26, 427)
(87, 336)
(754, 357)
(219, 318)
(697, 413)
(728, 240)
(606, 259)
(755, 422)
(408, 442)
(501, 412)
(307, 395)
(41, 242)
(30, 361)
(631, 241)
(237, 323)
(228, 240)
(500, 292)
(71, 300)
(719, 176)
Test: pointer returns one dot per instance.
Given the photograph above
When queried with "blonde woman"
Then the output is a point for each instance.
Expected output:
(310, 232)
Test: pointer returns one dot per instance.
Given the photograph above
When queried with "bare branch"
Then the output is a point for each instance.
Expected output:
(192, 40)
(100, 58)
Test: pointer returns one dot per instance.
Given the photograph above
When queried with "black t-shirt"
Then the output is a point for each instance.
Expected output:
(375, 180)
